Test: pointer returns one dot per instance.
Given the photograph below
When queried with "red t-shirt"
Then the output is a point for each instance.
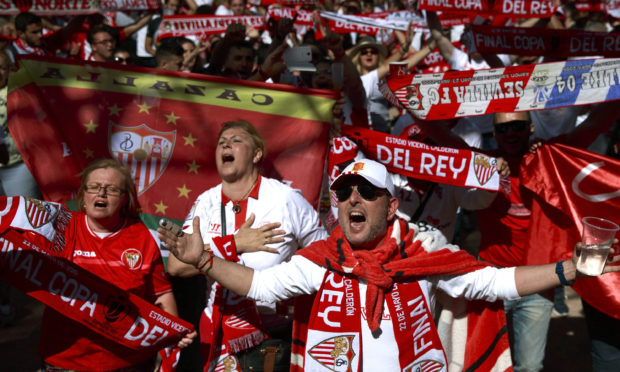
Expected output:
(130, 259)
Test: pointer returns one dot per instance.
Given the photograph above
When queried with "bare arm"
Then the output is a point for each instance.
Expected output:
(537, 278)
(443, 42)
(190, 250)
(134, 27)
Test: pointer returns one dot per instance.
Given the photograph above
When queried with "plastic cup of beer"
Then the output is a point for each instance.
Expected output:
(596, 239)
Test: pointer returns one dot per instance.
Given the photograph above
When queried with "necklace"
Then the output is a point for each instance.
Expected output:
(236, 207)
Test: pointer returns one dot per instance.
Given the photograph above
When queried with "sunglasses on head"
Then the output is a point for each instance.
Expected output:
(366, 191)
(369, 51)
(515, 125)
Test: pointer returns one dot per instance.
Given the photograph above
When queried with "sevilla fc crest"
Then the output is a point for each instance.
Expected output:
(484, 168)
(132, 258)
(335, 353)
(424, 366)
(40, 213)
(142, 149)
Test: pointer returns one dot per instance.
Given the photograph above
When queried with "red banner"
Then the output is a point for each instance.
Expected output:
(545, 42)
(74, 7)
(204, 25)
(164, 126)
(471, 6)
(570, 184)
(418, 160)
(30, 243)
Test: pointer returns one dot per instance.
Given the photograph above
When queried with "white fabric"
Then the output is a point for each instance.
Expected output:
(554, 122)
(441, 208)
(222, 10)
(460, 61)
(376, 103)
(301, 276)
(276, 203)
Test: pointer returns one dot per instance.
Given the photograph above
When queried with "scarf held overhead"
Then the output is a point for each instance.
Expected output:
(507, 89)
(409, 158)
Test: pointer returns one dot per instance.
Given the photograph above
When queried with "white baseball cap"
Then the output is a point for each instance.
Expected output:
(374, 172)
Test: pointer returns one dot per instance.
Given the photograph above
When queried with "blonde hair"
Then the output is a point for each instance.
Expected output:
(128, 210)
(257, 140)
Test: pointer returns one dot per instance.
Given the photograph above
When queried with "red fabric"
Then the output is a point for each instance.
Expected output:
(82, 348)
(503, 225)
(570, 184)
(386, 264)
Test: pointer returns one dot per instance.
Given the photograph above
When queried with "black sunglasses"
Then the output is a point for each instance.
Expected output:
(366, 191)
(515, 125)
(121, 60)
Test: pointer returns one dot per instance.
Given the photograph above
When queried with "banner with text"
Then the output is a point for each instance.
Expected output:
(31, 259)
(516, 88)
(164, 126)
(419, 160)
(74, 7)
(204, 25)
(545, 42)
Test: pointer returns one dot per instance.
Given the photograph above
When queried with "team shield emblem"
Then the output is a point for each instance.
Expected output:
(143, 150)
(132, 258)
(335, 353)
(484, 168)
(40, 213)
(424, 366)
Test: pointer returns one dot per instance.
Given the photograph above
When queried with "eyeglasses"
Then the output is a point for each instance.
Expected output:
(515, 125)
(369, 51)
(121, 60)
(109, 189)
(106, 41)
(366, 191)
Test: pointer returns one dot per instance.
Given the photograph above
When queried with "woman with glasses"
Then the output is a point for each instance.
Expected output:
(246, 199)
(372, 63)
(106, 238)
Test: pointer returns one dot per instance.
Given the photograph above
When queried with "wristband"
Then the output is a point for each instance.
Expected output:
(559, 270)
(204, 261)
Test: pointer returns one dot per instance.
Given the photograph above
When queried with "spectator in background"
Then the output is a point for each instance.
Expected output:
(123, 57)
(102, 39)
(169, 55)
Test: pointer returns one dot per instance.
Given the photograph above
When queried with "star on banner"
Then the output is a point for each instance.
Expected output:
(161, 207)
(91, 127)
(114, 110)
(171, 118)
(184, 192)
(88, 153)
(144, 108)
(193, 167)
(189, 140)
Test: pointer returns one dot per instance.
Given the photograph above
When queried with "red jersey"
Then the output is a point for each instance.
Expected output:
(128, 258)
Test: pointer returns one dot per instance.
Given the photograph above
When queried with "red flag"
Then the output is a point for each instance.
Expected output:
(164, 126)
(570, 184)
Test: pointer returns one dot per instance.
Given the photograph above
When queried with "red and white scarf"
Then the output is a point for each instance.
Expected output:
(22, 48)
(390, 271)
(234, 320)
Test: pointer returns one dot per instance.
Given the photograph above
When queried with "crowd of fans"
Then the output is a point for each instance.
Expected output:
(353, 63)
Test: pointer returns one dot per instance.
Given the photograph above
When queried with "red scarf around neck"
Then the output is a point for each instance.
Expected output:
(390, 262)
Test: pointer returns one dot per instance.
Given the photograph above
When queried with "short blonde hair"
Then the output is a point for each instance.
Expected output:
(257, 140)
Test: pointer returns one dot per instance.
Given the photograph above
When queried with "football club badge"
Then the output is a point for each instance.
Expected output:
(143, 150)
(424, 366)
(335, 353)
(40, 213)
(484, 168)
(132, 258)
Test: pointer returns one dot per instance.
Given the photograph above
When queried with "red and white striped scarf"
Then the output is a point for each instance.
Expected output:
(22, 48)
